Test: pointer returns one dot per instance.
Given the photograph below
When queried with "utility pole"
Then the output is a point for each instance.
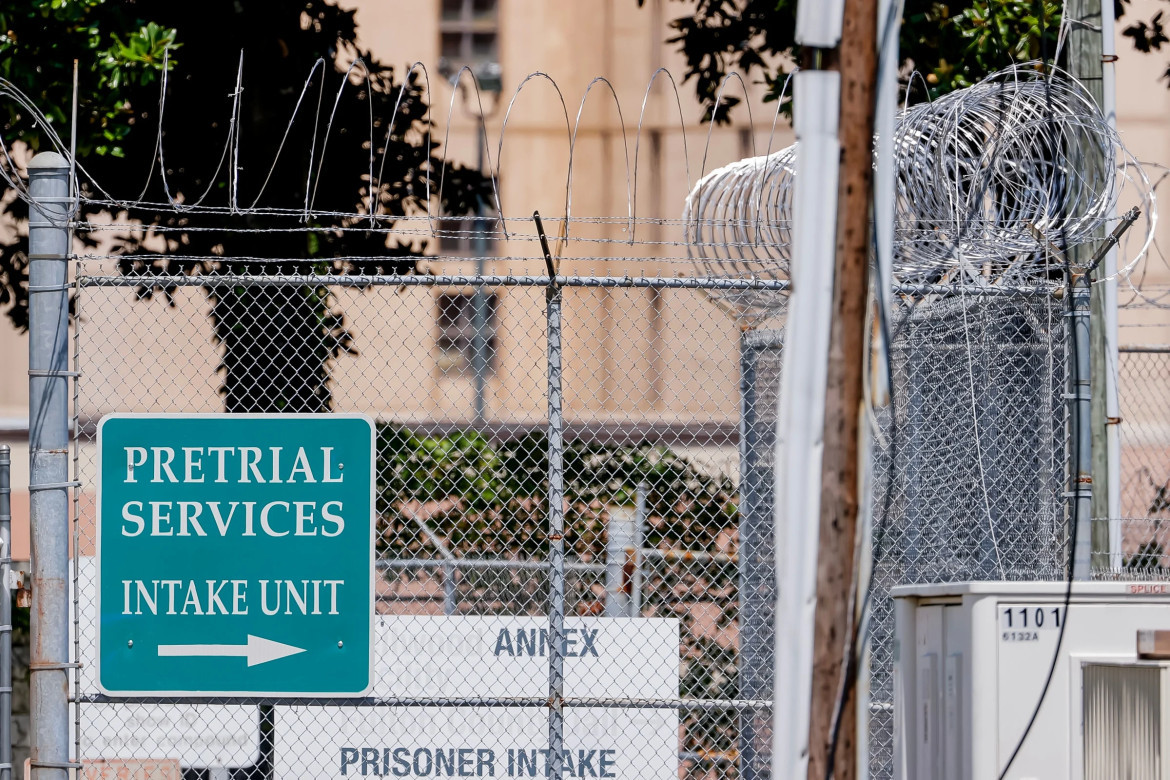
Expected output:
(1087, 29)
(834, 703)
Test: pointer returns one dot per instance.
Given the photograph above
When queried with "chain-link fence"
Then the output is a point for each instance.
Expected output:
(970, 466)
(1143, 376)
(665, 501)
(665, 440)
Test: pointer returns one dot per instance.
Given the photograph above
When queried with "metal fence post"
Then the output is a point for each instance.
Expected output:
(49, 240)
(619, 551)
(5, 613)
(556, 519)
(639, 543)
(1081, 466)
(757, 593)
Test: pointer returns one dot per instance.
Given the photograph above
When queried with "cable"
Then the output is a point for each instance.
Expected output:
(1076, 378)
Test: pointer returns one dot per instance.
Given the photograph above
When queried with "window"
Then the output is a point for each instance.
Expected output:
(457, 342)
(470, 237)
(455, 236)
(468, 35)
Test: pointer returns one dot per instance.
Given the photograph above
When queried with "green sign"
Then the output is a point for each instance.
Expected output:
(235, 555)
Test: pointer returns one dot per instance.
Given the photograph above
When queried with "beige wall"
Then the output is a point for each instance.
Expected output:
(1143, 121)
(672, 358)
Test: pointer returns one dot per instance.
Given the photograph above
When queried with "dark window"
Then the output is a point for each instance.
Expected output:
(469, 34)
(457, 342)
(468, 235)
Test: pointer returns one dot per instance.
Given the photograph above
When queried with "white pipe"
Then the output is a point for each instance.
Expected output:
(819, 23)
(800, 423)
(884, 180)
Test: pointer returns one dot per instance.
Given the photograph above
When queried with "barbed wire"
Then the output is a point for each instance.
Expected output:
(980, 173)
(983, 174)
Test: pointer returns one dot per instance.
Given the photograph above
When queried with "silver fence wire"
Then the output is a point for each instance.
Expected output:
(970, 467)
(1143, 529)
(668, 430)
(669, 435)
(577, 470)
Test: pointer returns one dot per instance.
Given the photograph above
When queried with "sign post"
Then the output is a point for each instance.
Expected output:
(236, 555)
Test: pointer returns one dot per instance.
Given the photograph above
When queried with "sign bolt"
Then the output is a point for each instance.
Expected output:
(340, 643)
(130, 643)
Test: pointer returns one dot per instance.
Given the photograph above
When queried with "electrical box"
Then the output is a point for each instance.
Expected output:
(971, 661)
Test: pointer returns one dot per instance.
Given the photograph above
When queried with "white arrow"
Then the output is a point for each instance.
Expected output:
(258, 650)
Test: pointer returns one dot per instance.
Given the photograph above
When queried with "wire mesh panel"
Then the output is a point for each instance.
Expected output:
(667, 594)
(971, 466)
(1142, 530)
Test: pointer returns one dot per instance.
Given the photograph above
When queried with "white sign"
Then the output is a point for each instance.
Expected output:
(422, 656)
(432, 657)
(197, 735)
(482, 742)
(497, 658)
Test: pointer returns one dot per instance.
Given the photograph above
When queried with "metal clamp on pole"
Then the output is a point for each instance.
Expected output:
(49, 242)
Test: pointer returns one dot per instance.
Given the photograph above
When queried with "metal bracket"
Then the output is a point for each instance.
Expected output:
(548, 258)
(55, 764)
(53, 372)
(54, 486)
(51, 667)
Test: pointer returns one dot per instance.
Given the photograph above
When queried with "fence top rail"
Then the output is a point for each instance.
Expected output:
(473, 280)
(1156, 349)
(432, 280)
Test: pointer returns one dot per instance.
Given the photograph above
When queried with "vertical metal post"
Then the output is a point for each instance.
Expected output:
(755, 516)
(619, 550)
(1108, 299)
(49, 240)
(479, 301)
(1085, 62)
(1080, 408)
(639, 542)
(556, 519)
(800, 427)
(449, 592)
(5, 613)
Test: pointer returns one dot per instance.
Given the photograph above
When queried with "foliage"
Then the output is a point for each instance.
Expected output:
(1146, 36)
(487, 500)
(952, 45)
(116, 50)
(278, 341)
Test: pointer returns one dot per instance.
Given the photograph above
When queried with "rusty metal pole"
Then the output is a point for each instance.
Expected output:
(834, 704)
(48, 431)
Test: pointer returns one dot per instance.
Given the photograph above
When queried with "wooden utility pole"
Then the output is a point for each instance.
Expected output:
(833, 701)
